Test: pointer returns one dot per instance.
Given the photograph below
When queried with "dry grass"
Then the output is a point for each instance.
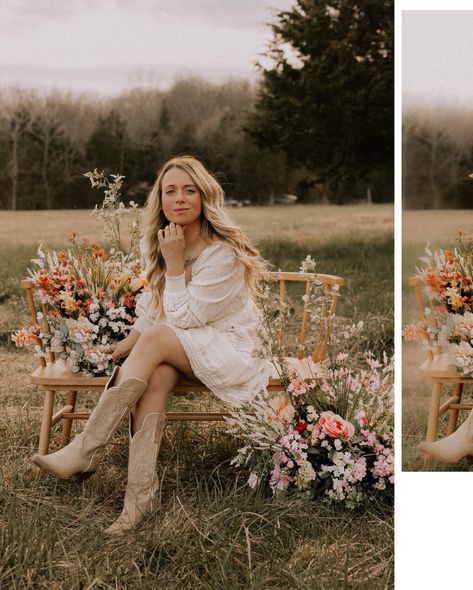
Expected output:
(420, 227)
(438, 228)
(298, 223)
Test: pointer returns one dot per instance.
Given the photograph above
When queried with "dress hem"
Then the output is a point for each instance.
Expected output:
(239, 394)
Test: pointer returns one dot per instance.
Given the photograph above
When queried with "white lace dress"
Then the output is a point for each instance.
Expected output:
(216, 322)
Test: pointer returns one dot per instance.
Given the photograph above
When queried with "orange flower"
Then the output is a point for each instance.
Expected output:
(414, 331)
(63, 258)
(449, 255)
(432, 279)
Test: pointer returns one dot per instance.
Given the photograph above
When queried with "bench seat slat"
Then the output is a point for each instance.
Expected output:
(57, 377)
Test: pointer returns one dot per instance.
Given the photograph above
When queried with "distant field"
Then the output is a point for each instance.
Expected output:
(438, 228)
(297, 223)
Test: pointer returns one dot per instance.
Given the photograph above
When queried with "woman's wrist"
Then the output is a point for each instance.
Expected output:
(175, 270)
(133, 337)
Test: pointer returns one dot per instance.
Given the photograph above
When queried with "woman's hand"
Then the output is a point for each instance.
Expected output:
(124, 347)
(172, 243)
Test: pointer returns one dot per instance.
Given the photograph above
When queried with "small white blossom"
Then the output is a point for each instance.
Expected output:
(253, 480)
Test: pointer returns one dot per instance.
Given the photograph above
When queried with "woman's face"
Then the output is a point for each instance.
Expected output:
(181, 199)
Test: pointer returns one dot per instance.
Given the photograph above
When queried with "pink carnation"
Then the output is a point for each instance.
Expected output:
(279, 479)
(359, 469)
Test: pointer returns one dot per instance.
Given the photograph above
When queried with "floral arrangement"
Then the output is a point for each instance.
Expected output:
(328, 436)
(89, 293)
(448, 283)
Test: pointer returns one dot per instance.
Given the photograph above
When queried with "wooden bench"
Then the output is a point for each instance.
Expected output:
(53, 375)
(440, 373)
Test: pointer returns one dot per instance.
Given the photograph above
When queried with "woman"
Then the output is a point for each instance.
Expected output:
(197, 319)
(454, 447)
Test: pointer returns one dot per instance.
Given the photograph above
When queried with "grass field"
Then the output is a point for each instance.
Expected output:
(210, 532)
(438, 228)
(301, 223)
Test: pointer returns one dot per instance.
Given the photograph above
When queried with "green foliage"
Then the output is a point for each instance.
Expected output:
(107, 144)
(327, 102)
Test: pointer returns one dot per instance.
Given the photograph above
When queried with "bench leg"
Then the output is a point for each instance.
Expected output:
(453, 414)
(432, 425)
(45, 432)
(67, 422)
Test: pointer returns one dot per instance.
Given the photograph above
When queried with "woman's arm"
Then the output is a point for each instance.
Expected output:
(124, 347)
(144, 312)
(208, 295)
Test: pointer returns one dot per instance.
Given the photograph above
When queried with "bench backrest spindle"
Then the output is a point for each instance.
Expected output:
(417, 283)
(282, 309)
(330, 298)
(28, 285)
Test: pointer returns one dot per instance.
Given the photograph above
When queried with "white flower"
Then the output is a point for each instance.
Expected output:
(305, 474)
(312, 414)
(308, 265)
(253, 480)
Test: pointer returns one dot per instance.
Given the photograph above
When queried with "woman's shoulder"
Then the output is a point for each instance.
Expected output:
(220, 247)
(217, 250)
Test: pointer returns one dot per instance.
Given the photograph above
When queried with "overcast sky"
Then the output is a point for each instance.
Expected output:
(437, 56)
(106, 46)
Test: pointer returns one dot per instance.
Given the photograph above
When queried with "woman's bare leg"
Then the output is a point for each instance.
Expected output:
(157, 345)
(153, 401)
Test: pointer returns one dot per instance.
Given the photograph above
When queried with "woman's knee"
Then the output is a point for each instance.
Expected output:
(155, 332)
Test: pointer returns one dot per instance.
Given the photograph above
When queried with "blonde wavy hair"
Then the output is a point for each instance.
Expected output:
(215, 225)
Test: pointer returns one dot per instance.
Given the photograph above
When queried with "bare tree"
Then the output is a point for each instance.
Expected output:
(15, 118)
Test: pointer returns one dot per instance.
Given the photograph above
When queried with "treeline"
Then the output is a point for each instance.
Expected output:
(437, 157)
(48, 142)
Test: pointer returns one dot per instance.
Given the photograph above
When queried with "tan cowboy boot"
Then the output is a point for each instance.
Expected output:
(143, 480)
(454, 447)
(83, 454)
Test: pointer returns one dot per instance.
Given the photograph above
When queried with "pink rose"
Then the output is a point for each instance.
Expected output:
(335, 426)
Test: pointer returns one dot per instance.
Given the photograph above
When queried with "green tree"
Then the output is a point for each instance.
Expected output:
(327, 100)
(107, 144)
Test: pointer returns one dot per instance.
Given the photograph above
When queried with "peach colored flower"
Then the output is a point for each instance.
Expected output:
(26, 337)
(335, 426)
(282, 408)
(413, 332)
